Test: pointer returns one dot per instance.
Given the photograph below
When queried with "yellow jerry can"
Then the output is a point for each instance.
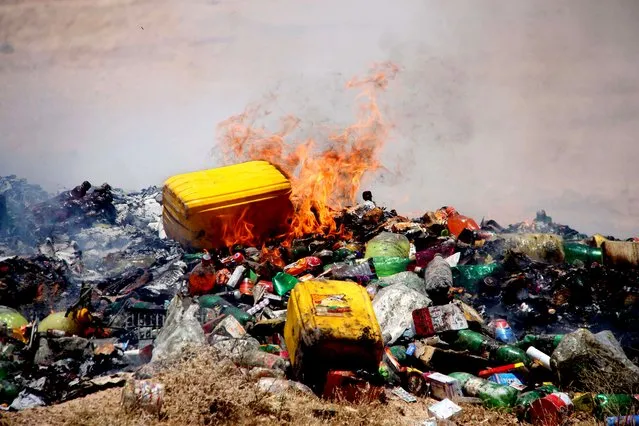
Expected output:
(244, 203)
(331, 325)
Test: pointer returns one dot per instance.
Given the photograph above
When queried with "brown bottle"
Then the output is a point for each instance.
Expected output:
(202, 278)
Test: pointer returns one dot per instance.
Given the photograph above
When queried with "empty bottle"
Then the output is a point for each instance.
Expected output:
(478, 343)
(581, 252)
(202, 278)
(303, 265)
(424, 257)
(544, 342)
(387, 266)
(360, 271)
(457, 223)
(258, 358)
(468, 276)
(212, 301)
(438, 275)
(623, 420)
(493, 395)
(615, 404)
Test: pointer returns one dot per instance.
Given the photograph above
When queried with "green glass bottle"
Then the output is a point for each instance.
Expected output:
(615, 404)
(493, 395)
(575, 251)
(283, 283)
(478, 343)
(546, 343)
(469, 276)
(212, 301)
(8, 391)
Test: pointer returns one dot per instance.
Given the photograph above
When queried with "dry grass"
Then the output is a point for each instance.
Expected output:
(202, 389)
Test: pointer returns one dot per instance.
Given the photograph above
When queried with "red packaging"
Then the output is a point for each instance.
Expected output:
(246, 287)
(345, 385)
(268, 285)
(551, 410)
(437, 319)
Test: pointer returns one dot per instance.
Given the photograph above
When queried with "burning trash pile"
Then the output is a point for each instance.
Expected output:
(271, 263)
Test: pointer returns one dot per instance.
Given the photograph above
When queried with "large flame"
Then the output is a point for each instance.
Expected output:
(325, 176)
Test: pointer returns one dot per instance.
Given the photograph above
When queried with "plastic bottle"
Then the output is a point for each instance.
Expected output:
(457, 223)
(387, 266)
(493, 395)
(540, 247)
(468, 276)
(258, 358)
(212, 301)
(303, 265)
(615, 404)
(586, 254)
(424, 257)
(202, 278)
(438, 275)
(478, 343)
(622, 420)
(544, 342)
(283, 283)
(347, 270)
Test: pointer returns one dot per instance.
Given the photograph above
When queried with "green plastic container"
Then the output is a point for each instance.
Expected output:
(544, 342)
(493, 395)
(388, 244)
(615, 404)
(283, 283)
(575, 251)
(211, 301)
(387, 266)
(469, 276)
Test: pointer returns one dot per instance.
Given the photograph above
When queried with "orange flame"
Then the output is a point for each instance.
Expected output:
(238, 230)
(322, 180)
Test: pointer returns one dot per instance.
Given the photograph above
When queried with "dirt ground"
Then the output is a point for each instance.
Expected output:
(201, 389)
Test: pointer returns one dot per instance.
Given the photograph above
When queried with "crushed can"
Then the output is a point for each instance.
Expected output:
(246, 287)
(143, 394)
(437, 319)
(551, 410)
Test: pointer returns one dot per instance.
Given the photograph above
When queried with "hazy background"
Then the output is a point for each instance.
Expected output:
(501, 108)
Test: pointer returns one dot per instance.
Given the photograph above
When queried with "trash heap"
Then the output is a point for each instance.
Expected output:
(535, 318)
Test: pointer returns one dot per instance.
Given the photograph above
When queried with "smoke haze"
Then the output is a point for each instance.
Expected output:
(500, 108)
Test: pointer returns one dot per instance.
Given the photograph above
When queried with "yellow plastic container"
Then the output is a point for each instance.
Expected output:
(243, 203)
(331, 325)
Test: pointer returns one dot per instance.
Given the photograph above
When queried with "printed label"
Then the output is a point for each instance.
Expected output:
(331, 305)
